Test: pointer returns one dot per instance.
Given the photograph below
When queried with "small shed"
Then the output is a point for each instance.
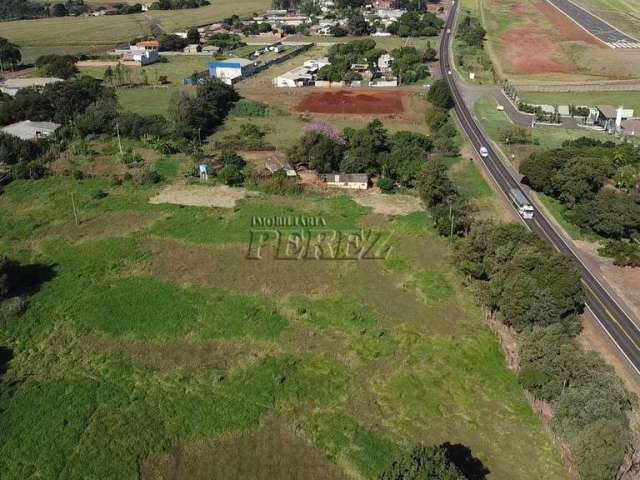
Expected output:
(354, 181)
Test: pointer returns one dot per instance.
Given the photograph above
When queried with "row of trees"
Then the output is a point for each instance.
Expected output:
(538, 292)
(599, 182)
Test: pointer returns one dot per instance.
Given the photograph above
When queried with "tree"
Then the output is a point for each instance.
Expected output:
(60, 66)
(429, 54)
(434, 185)
(193, 36)
(600, 449)
(232, 166)
(423, 463)
(386, 185)
(440, 95)
(317, 151)
(9, 54)
(59, 10)
(108, 75)
(172, 43)
(200, 115)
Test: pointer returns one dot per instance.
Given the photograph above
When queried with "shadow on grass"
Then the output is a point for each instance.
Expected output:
(28, 279)
(6, 355)
(461, 456)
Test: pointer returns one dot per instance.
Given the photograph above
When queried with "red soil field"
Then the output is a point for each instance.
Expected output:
(538, 49)
(533, 52)
(352, 102)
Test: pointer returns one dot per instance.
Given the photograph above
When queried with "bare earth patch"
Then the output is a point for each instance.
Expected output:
(190, 355)
(273, 452)
(103, 226)
(389, 204)
(219, 196)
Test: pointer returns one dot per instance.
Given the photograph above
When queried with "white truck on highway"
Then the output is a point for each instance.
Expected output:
(522, 204)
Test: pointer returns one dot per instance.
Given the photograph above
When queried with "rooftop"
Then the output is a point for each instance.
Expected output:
(28, 130)
(18, 83)
(346, 177)
(242, 61)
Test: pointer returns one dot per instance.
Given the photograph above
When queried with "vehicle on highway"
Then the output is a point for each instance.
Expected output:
(525, 209)
(484, 153)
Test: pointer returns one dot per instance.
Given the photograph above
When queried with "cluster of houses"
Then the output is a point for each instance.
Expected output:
(307, 74)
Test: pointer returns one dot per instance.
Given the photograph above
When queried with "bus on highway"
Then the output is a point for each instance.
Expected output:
(522, 204)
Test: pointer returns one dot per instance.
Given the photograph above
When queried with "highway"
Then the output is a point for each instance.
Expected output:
(606, 308)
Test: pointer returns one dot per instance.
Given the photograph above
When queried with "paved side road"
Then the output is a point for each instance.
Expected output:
(597, 27)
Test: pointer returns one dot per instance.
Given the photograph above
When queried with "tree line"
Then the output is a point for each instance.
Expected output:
(599, 183)
(538, 293)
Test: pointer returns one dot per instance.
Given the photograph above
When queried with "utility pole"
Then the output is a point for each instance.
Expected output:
(75, 211)
(119, 141)
(450, 218)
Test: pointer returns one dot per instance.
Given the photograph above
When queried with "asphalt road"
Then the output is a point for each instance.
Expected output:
(595, 25)
(606, 308)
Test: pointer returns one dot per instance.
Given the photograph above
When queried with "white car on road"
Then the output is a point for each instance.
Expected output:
(484, 153)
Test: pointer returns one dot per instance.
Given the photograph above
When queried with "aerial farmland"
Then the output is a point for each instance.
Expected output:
(209, 272)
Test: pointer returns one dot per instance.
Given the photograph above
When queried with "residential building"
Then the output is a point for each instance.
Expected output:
(275, 164)
(12, 86)
(28, 130)
(385, 61)
(192, 49)
(139, 56)
(301, 76)
(232, 69)
(149, 45)
(210, 49)
(354, 181)
(609, 117)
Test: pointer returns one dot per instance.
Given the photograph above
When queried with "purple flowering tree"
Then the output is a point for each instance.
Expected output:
(326, 129)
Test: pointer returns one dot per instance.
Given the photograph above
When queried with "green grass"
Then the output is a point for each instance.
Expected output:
(146, 308)
(153, 333)
(591, 99)
(146, 101)
(434, 285)
(98, 34)
(176, 69)
(494, 121)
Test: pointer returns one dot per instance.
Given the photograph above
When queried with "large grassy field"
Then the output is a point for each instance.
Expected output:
(97, 34)
(152, 347)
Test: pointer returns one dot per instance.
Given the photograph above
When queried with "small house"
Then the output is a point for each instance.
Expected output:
(275, 164)
(610, 117)
(210, 49)
(12, 86)
(191, 49)
(28, 130)
(232, 69)
(354, 181)
(385, 61)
